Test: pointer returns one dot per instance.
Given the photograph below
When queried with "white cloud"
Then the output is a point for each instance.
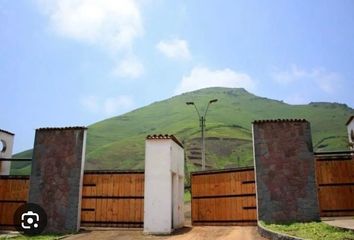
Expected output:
(327, 81)
(108, 106)
(110, 23)
(130, 67)
(201, 77)
(174, 48)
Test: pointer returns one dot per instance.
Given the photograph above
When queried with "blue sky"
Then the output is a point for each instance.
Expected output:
(66, 62)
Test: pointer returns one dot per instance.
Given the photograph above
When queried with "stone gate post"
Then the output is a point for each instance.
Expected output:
(285, 171)
(57, 175)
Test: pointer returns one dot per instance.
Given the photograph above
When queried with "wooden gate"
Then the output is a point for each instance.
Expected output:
(224, 197)
(335, 179)
(13, 193)
(113, 199)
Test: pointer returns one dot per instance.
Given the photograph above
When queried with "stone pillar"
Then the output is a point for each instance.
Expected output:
(57, 175)
(6, 145)
(164, 184)
(285, 171)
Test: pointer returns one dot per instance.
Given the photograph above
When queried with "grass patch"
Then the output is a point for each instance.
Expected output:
(312, 230)
(187, 196)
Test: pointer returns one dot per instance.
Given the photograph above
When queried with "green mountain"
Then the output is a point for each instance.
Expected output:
(118, 142)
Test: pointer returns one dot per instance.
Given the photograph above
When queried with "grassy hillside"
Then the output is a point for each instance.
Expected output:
(118, 142)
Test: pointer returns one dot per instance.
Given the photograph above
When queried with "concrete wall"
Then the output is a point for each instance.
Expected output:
(6, 146)
(177, 170)
(350, 128)
(57, 175)
(164, 185)
(285, 171)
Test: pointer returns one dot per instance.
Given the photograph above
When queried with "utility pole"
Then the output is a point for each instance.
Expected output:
(202, 120)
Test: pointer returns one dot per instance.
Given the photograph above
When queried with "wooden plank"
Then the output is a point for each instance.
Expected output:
(125, 192)
(136, 202)
(105, 183)
(110, 202)
(195, 183)
(115, 192)
(233, 181)
(238, 213)
(135, 206)
(120, 202)
(131, 201)
(89, 203)
(212, 207)
(223, 201)
(141, 202)
(98, 217)
(228, 204)
(193, 204)
(93, 192)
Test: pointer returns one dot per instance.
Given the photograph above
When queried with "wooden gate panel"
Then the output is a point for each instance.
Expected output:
(225, 197)
(113, 199)
(335, 179)
(13, 193)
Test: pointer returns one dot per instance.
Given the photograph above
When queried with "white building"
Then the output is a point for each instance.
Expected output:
(6, 145)
(164, 184)
(350, 127)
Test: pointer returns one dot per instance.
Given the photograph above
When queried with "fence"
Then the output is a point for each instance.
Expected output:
(226, 197)
(335, 179)
(223, 197)
(109, 199)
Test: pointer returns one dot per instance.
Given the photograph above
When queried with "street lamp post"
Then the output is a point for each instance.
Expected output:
(202, 126)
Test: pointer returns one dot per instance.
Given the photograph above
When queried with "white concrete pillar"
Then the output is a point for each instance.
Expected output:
(164, 184)
(350, 129)
(6, 146)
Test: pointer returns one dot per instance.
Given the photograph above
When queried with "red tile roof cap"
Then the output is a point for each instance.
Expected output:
(278, 120)
(164, 136)
(60, 128)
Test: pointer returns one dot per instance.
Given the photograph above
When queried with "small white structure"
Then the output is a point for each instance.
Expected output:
(164, 184)
(6, 145)
(350, 127)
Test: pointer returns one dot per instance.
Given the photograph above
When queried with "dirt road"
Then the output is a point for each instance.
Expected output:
(187, 233)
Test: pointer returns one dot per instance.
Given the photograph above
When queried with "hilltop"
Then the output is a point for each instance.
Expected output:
(118, 142)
